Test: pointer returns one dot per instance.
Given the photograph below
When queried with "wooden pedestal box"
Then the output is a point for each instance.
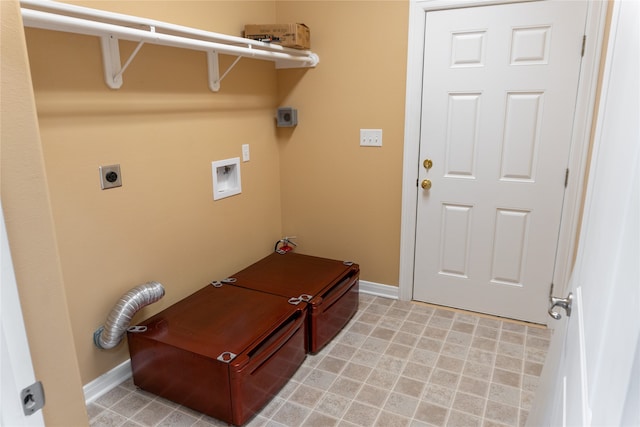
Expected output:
(224, 351)
(330, 287)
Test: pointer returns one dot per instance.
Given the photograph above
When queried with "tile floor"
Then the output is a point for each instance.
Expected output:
(395, 364)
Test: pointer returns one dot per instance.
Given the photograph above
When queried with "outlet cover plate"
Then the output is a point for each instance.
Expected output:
(371, 137)
(110, 176)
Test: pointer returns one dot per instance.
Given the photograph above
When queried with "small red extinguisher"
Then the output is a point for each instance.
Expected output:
(285, 245)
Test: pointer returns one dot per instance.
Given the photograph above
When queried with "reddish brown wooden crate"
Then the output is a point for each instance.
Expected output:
(331, 288)
(222, 351)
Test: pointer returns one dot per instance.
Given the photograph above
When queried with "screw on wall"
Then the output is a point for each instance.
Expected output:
(110, 177)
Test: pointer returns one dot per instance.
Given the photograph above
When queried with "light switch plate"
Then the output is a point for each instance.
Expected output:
(371, 137)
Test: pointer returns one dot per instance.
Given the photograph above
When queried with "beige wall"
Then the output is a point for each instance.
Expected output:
(164, 127)
(343, 201)
(25, 201)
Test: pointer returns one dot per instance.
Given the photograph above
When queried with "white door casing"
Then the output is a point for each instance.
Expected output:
(412, 170)
(16, 370)
(590, 375)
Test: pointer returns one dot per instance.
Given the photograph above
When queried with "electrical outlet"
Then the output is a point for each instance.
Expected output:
(110, 176)
(371, 137)
(245, 153)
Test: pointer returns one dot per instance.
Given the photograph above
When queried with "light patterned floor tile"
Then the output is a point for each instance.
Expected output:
(396, 364)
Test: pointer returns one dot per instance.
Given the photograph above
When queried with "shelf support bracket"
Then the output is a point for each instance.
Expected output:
(214, 70)
(126, 64)
(111, 60)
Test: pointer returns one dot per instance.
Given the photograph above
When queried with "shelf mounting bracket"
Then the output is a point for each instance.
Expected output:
(111, 60)
(113, 71)
(213, 66)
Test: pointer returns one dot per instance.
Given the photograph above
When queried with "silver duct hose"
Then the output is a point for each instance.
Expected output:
(110, 335)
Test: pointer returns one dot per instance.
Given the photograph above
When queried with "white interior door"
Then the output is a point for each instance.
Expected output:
(592, 373)
(499, 92)
(16, 370)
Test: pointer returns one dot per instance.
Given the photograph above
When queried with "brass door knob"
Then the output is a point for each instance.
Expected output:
(427, 164)
(426, 184)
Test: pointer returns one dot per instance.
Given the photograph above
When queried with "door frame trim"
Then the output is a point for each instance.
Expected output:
(580, 142)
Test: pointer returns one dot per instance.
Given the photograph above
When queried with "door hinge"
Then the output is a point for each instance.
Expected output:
(584, 44)
(566, 178)
(32, 398)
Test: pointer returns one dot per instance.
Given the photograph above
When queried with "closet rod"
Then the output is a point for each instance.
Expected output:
(50, 15)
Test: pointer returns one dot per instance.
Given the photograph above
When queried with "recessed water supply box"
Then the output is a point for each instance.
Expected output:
(226, 178)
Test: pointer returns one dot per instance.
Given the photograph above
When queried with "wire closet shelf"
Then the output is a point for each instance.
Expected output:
(111, 27)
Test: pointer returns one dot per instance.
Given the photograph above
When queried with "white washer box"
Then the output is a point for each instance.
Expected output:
(226, 178)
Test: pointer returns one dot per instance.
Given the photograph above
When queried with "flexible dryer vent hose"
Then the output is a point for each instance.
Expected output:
(110, 335)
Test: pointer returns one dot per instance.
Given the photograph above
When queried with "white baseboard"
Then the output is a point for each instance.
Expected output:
(107, 381)
(378, 289)
(111, 379)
